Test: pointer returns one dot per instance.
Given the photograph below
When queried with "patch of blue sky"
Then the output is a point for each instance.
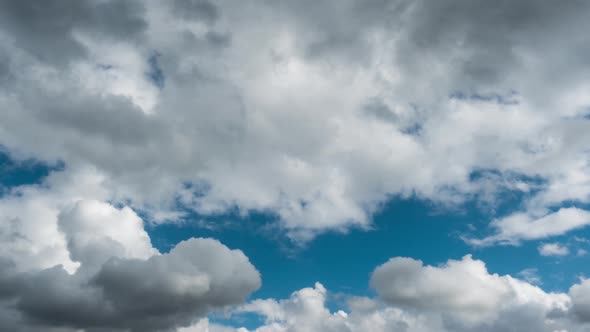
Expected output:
(15, 173)
(155, 73)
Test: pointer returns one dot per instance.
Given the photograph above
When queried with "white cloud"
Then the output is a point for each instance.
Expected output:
(461, 289)
(553, 249)
(459, 296)
(523, 226)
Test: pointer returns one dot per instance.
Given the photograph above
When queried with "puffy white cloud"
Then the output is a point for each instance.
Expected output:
(96, 231)
(462, 290)
(405, 281)
(29, 216)
(459, 296)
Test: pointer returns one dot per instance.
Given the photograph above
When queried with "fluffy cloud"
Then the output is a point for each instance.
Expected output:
(464, 293)
(126, 294)
(460, 295)
(318, 118)
(72, 261)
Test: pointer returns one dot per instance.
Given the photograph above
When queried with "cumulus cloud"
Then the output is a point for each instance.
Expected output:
(70, 261)
(317, 118)
(461, 290)
(460, 295)
(157, 294)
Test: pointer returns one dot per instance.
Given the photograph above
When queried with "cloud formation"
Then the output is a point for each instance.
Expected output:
(318, 118)
(315, 112)
(459, 296)
(70, 261)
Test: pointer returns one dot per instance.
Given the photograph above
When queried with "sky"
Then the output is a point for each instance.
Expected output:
(294, 166)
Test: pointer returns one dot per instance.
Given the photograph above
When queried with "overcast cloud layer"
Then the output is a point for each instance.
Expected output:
(316, 112)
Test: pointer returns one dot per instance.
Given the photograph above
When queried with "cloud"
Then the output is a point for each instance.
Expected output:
(49, 31)
(157, 294)
(553, 249)
(580, 295)
(96, 231)
(523, 226)
(531, 275)
(278, 113)
(478, 297)
(71, 261)
(315, 112)
(459, 296)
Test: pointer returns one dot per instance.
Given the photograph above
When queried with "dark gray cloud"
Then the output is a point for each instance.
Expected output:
(157, 294)
(47, 29)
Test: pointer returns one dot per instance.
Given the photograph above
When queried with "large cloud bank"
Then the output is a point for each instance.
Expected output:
(314, 111)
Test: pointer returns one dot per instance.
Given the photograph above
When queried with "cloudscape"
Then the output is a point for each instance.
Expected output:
(294, 166)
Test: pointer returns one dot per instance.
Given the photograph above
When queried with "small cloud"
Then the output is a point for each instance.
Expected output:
(531, 276)
(553, 249)
(581, 252)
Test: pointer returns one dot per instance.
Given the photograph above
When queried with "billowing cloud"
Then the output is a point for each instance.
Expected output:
(317, 118)
(90, 265)
(460, 295)
(461, 290)
(157, 294)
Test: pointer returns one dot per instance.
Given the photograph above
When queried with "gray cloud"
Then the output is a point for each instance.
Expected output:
(157, 294)
(47, 29)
